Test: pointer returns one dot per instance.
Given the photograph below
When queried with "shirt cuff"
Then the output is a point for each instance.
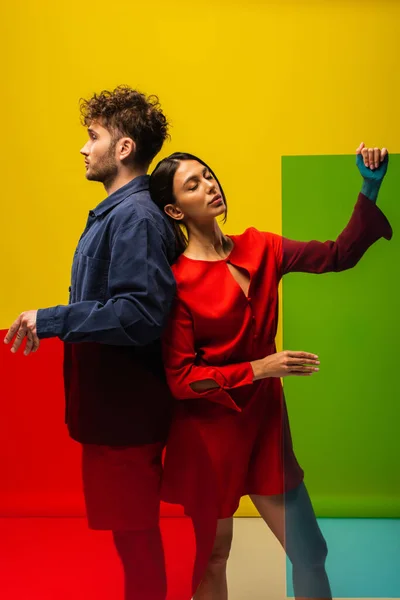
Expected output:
(48, 322)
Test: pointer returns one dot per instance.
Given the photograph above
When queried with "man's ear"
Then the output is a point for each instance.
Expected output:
(126, 148)
(173, 211)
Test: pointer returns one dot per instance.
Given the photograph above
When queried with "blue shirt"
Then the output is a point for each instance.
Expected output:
(122, 286)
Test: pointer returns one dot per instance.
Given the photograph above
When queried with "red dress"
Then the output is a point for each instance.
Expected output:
(235, 440)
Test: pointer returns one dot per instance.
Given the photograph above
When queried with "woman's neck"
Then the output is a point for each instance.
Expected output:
(207, 243)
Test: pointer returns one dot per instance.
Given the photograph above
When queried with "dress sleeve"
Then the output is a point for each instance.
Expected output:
(181, 368)
(367, 225)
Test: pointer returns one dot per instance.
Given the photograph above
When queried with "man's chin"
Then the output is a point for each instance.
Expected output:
(90, 176)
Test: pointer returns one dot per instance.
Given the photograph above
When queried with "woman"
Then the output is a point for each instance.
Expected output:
(231, 435)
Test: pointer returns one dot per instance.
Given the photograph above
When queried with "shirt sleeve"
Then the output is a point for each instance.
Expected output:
(367, 225)
(141, 286)
(181, 369)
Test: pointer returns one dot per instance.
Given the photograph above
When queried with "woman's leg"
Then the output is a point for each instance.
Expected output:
(292, 520)
(214, 584)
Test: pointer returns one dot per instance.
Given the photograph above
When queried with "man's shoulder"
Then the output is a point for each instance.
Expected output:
(138, 207)
(138, 211)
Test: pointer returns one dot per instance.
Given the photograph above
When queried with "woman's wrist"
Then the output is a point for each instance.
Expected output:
(370, 189)
(260, 369)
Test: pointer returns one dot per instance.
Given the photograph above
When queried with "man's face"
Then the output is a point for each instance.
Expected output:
(99, 153)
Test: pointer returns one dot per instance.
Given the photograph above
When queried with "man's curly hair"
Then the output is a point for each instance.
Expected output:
(127, 112)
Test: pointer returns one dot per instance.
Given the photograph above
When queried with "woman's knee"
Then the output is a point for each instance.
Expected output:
(310, 552)
(220, 554)
(305, 542)
(221, 550)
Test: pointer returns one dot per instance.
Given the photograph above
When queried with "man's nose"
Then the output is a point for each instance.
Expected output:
(84, 150)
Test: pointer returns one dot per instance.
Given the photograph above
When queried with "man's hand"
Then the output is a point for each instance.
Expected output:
(372, 164)
(24, 326)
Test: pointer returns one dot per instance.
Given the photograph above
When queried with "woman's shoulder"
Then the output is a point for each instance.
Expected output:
(252, 234)
(181, 265)
(188, 270)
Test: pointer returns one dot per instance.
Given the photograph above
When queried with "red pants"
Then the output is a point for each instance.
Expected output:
(122, 486)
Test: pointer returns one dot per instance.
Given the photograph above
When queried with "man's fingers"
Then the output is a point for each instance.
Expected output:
(36, 343)
(18, 340)
(12, 331)
(29, 344)
(32, 343)
(383, 154)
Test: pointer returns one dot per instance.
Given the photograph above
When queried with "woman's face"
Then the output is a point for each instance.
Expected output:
(197, 194)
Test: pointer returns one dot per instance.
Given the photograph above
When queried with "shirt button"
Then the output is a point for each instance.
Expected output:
(91, 213)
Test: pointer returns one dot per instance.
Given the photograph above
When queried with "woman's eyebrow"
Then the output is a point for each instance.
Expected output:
(189, 179)
(195, 176)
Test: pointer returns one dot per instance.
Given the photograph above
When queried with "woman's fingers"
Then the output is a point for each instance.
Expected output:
(303, 369)
(364, 154)
(360, 148)
(305, 355)
(377, 157)
(302, 361)
(371, 158)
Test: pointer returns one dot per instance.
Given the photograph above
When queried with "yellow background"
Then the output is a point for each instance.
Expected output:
(242, 83)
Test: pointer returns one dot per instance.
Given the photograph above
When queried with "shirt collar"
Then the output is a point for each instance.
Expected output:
(138, 184)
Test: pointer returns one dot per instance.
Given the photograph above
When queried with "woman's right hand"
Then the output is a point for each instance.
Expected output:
(284, 364)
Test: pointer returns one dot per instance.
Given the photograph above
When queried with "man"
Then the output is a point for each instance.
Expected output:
(117, 402)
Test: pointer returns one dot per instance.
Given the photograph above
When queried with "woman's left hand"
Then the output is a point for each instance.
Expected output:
(372, 164)
(369, 160)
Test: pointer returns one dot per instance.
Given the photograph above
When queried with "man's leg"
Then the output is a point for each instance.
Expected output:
(122, 493)
(142, 556)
